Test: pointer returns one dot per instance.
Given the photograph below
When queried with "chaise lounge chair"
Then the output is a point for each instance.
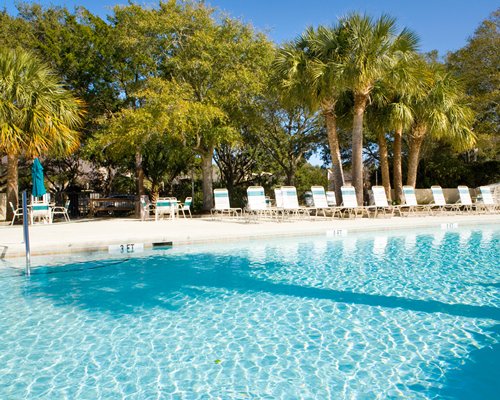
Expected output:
(465, 201)
(291, 203)
(439, 201)
(381, 203)
(410, 201)
(257, 205)
(222, 206)
(350, 203)
(321, 202)
(487, 202)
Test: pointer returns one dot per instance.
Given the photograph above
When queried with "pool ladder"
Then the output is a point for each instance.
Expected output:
(26, 233)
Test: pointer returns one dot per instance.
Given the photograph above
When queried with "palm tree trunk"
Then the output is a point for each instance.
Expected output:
(384, 165)
(357, 144)
(207, 184)
(139, 178)
(417, 138)
(397, 165)
(12, 183)
(155, 191)
(333, 141)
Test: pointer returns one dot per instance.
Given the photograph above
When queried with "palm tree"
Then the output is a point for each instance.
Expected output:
(392, 97)
(439, 111)
(309, 70)
(374, 49)
(37, 115)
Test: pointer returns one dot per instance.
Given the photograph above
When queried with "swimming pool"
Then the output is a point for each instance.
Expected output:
(373, 315)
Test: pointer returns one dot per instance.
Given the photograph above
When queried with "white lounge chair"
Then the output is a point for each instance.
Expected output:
(381, 203)
(439, 200)
(291, 202)
(257, 204)
(465, 201)
(222, 205)
(350, 203)
(278, 197)
(487, 202)
(331, 199)
(61, 210)
(321, 203)
(410, 201)
(165, 206)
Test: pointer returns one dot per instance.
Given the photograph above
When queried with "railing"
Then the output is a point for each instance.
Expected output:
(26, 233)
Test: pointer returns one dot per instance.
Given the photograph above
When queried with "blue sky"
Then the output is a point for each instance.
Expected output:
(443, 25)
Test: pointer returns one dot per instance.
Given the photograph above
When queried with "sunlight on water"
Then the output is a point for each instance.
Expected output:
(368, 316)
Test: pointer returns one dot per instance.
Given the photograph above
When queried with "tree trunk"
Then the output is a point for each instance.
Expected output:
(207, 184)
(12, 184)
(139, 179)
(360, 100)
(155, 191)
(417, 138)
(333, 141)
(384, 165)
(290, 176)
(397, 165)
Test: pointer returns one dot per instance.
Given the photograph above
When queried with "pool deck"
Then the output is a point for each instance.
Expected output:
(97, 235)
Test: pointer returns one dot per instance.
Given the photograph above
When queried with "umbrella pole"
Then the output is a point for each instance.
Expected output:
(26, 234)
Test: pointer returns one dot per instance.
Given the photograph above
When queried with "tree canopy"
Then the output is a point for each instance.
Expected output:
(172, 88)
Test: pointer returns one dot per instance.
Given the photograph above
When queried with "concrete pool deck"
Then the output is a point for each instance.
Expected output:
(97, 235)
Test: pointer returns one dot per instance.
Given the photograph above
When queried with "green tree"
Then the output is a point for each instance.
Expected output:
(225, 65)
(37, 115)
(391, 114)
(439, 111)
(477, 66)
(309, 69)
(375, 48)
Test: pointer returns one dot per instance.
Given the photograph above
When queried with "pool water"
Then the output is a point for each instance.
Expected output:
(367, 316)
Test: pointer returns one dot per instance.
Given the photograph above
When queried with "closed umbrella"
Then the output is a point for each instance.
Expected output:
(37, 178)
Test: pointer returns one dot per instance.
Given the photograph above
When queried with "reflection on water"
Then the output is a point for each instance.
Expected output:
(290, 318)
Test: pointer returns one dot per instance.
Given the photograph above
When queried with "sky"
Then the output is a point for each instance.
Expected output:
(443, 25)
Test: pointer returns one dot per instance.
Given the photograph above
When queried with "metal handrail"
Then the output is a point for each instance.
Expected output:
(26, 233)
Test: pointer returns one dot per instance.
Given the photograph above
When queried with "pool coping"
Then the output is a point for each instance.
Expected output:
(97, 236)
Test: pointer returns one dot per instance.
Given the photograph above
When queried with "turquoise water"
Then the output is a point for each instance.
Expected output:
(368, 316)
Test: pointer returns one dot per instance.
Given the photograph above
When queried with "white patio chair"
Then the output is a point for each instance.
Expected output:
(278, 197)
(222, 205)
(381, 203)
(331, 199)
(291, 203)
(465, 201)
(321, 203)
(487, 202)
(410, 201)
(350, 203)
(146, 207)
(61, 210)
(257, 203)
(18, 212)
(186, 207)
(439, 200)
